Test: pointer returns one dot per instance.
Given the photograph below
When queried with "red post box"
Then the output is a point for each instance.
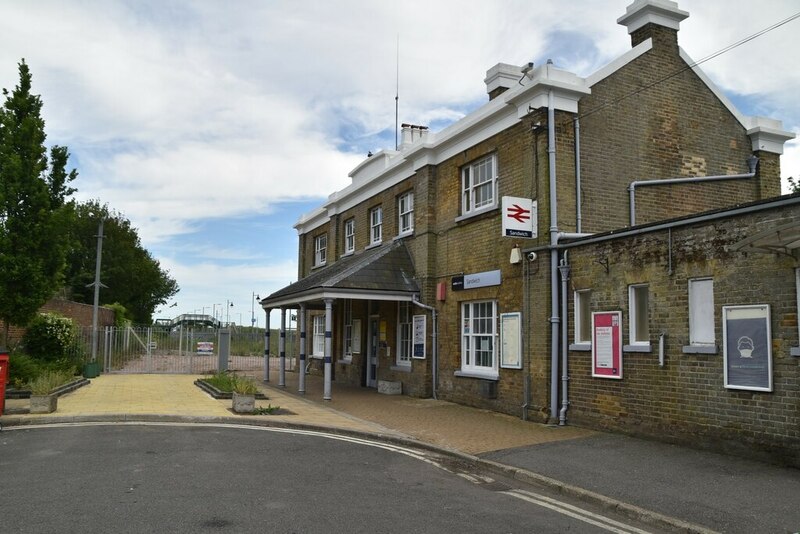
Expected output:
(3, 380)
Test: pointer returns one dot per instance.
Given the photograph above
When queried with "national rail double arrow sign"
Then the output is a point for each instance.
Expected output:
(519, 217)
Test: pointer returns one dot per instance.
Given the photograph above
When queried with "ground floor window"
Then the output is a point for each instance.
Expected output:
(404, 333)
(348, 329)
(478, 335)
(318, 345)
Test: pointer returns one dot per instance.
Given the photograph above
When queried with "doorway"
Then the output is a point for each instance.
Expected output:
(373, 335)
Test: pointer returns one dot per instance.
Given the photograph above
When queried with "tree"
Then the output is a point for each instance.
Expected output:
(794, 185)
(134, 279)
(33, 205)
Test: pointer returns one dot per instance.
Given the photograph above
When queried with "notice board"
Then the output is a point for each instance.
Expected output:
(747, 347)
(607, 344)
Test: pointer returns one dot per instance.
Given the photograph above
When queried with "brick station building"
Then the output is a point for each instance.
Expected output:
(471, 263)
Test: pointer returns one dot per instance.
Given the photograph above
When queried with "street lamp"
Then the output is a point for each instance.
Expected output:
(253, 319)
(228, 307)
(97, 286)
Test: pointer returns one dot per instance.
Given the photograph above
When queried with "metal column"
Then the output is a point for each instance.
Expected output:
(302, 370)
(266, 346)
(282, 351)
(328, 348)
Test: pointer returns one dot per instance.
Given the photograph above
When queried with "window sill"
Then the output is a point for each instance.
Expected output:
(347, 254)
(319, 266)
(401, 368)
(794, 351)
(477, 213)
(581, 347)
(643, 348)
(474, 374)
(316, 356)
(373, 245)
(348, 361)
(700, 349)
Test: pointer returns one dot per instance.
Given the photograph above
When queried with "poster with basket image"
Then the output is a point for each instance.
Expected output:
(747, 347)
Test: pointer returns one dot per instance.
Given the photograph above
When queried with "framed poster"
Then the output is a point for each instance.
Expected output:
(607, 344)
(511, 340)
(418, 332)
(356, 336)
(747, 347)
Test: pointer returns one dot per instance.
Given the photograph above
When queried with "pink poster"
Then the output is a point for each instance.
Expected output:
(607, 344)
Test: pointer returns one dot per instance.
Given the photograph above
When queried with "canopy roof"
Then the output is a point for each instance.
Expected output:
(380, 273)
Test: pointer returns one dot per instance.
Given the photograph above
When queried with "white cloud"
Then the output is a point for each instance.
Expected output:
(183, 111)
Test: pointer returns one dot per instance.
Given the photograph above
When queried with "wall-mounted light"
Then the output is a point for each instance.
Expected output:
(516, 255)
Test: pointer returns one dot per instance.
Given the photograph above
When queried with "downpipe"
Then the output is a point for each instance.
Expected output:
(434, 352)
(564, 269)
(554, 317)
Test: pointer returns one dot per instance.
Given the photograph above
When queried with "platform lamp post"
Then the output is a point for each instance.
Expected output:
(253, 319)
(228, 306)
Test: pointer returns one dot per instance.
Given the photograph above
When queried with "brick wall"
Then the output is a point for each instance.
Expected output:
(655, 119)
(686, 400)
(80, 313)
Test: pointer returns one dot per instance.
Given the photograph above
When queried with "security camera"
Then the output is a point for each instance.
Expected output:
(531, 256)
(527, 67)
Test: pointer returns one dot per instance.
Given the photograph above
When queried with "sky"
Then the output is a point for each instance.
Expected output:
(212, 126)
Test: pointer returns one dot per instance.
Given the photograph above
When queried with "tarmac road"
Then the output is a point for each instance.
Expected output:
(199, 478)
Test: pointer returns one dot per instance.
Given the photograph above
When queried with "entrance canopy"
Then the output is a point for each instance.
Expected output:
(380, 273)
(784, 239)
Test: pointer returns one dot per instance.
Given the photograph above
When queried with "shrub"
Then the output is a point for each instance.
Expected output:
(52, 338)
(22, 369)
(244, 386)
(49, 380)
(222, 381)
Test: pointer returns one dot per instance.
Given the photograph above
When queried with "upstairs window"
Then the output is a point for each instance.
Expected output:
(321, 250)
(349, 236)
(638, 305)
(376, 225)
(405, 210)
(478, 185)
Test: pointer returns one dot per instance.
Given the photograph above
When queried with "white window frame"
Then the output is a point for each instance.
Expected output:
(470, 338)
(701, 312)
(635, 336)
(318, 336)
(376, 225)
(321, 250)
(583, 317)
(347, 330)
(405, 213)
(349, 236)
(470, 203)
(405, 334)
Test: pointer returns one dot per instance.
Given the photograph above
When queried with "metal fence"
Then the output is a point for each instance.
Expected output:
(182, 350)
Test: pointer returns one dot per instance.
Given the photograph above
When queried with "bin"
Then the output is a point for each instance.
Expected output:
(91, 370)
(3, 379)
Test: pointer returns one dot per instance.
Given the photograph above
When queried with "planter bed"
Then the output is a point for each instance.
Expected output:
(61, 390)
(218, 394)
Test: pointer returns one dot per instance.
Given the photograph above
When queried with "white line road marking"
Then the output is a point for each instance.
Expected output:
(575, 512)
